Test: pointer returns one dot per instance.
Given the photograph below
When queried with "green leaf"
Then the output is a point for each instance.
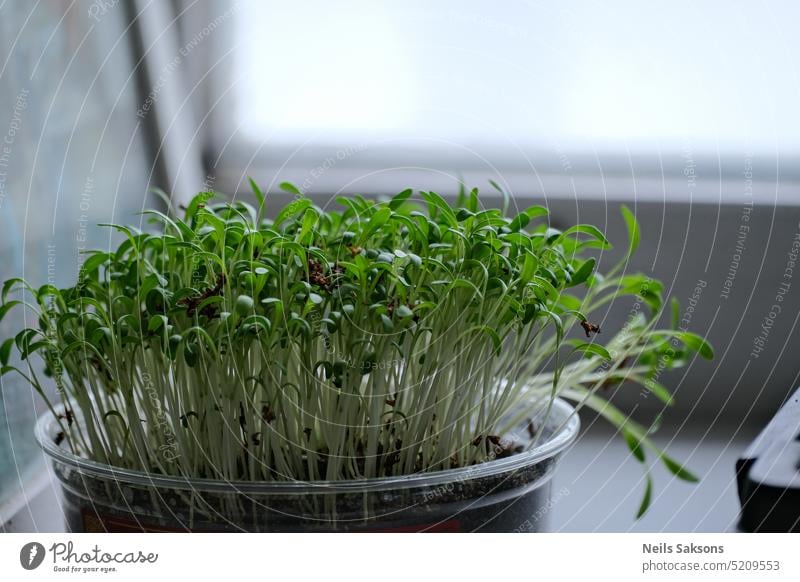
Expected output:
(377, 220)
(293, 208)
(403, 311)
(294, 248)
(8, 286)
(95, 261)
(6, 369)
(116, 414)
(439, 203)
(545, 286)
(463, 214)
(162, 196)
(586, 229)
(385, 258)
(368, 363)
(172, 344)
(23, 339)
(197, 202)
(523, 218)
(6, 307)
(504, 193)
(583, 272)
(646, 498)
(678, 470)
(244, 305)
(461, 198)
(5, 351)
(388, 325)
(675, 318)
(399, 199)
(156, 323)
(310, 219)
(572, 306)
(634, 232)
(159, 217)
(191, 354)
(696, 343)
(472, 203)
(291, 188)
(260, 198)
(593, 349)
(634, 445)
(257, 324)
(529, 266)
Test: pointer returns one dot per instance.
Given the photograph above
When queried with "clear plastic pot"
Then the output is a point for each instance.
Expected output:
(505, 494)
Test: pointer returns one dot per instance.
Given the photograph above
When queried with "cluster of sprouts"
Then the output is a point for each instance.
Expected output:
(386, 338)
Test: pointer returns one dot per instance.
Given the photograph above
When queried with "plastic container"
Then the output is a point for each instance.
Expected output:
(503, 495)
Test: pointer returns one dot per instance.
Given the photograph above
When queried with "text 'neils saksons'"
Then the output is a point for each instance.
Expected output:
(664, 548)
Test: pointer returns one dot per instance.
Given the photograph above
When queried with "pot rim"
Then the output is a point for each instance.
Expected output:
(565, 419)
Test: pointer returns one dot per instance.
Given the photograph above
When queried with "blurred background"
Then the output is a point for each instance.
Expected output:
(685, 111)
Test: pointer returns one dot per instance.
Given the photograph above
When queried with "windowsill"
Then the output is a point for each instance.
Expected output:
(598, 484)
(383, 168)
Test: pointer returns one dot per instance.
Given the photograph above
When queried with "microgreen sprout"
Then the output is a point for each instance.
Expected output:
(386, 338)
